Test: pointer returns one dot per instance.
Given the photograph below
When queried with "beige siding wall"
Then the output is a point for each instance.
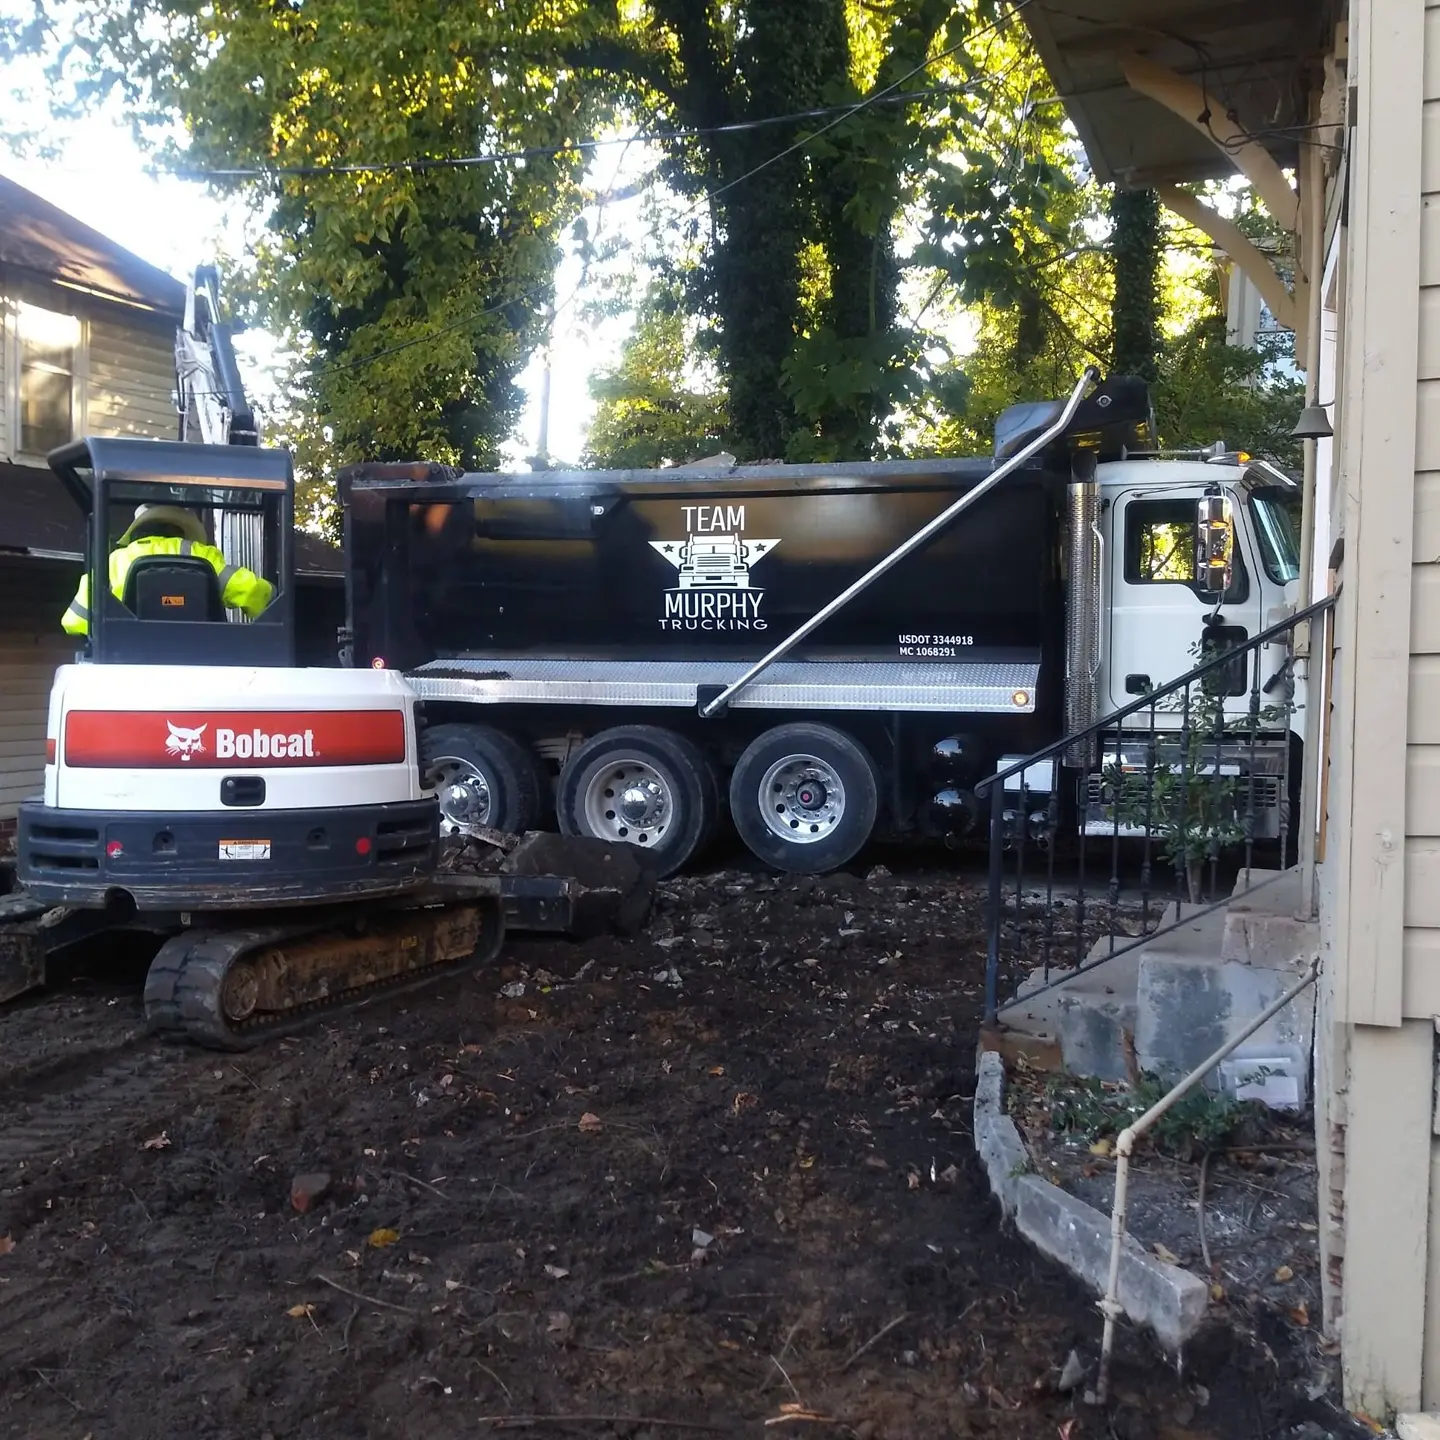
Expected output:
(6, 324)
(131, 376)
(1422, 768)
(33, 596)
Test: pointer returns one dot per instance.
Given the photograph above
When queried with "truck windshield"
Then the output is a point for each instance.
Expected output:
(1275, 530)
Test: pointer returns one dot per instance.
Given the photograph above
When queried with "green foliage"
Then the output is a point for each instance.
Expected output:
(652, 408)
(1180, 797)
(1200, 1120)
(1135, 242)
(410, 298)
(1208, 390)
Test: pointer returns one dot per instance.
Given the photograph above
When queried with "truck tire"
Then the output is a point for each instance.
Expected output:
(644, 785)
(804, 798)
(484, 778)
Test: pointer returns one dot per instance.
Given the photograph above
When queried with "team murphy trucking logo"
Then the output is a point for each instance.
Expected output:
(713, 589)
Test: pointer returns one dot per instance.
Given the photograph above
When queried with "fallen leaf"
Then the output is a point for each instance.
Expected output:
(158, 1142)
(6, 1244)
(744, 1100)
(1067, 1430)
(556, 1272)
(558, 1324)
(1284, 1274)
(1102, 1146)
(452, 1284)
(1300, 1313)
(912, 1180)
(382, 1237)
(1164, 1253)
(949, 1175)
(591, 1122)
(300, 1312)
(1217, 1293)
(1369, 1422)
(717, 1069)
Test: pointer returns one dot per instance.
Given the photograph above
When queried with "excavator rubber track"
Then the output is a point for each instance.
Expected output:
(233, 987)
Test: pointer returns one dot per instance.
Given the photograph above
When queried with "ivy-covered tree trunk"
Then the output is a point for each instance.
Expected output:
(1135, 247)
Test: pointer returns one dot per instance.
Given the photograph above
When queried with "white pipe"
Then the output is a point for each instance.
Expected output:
(1110, 1306)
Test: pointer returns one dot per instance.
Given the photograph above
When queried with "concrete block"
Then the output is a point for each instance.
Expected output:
(1263, 925)
(1168, 1299)
(997, 1138)
(1418, 1427)
(1189, 1004)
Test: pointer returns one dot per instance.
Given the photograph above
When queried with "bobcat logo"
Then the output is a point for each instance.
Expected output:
(185, 743)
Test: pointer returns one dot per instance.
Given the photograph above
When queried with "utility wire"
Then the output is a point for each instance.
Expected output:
(536, 152)
(702, 200)
(845, 113)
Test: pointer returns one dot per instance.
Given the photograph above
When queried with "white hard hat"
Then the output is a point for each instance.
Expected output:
(187, 522)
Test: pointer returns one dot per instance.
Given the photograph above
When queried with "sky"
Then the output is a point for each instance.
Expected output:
(103, 178)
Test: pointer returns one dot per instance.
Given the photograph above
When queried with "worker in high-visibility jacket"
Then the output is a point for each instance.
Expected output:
(170, 530)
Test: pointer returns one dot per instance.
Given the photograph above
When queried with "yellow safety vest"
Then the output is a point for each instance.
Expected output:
(240, 589)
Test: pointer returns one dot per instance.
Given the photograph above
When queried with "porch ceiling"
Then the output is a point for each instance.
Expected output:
(1253, 58)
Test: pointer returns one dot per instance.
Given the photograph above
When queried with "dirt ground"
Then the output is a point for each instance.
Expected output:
(648, 1188)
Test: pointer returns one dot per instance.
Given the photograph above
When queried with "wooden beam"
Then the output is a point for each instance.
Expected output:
(1238, 246)
(1189, 101)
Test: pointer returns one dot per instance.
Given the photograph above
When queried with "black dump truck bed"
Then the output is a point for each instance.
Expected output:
(697, 564)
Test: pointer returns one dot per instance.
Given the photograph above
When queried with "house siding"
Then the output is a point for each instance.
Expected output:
(131, 379)
(1422, 759)
(33, 596)
(6, 331)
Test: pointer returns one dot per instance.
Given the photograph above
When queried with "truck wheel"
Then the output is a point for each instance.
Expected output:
(644, 785)
(804, 798)
(483, 778)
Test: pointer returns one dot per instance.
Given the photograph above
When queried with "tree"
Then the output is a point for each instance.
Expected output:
(1135, 245)
(654, 408)
(411, 295)
(801, 274)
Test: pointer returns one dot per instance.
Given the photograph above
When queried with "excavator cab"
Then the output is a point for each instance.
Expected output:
(172, 610)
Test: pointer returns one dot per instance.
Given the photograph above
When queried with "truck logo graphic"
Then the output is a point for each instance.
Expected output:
(714, 588)
(714, 562)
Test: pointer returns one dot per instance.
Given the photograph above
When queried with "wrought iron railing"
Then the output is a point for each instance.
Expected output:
(1142, 821)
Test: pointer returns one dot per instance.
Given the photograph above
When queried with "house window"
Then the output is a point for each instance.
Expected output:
(48, 345)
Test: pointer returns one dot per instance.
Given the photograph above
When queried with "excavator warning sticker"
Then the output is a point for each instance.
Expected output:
(269, 739)
(244, 849)
(714, 561)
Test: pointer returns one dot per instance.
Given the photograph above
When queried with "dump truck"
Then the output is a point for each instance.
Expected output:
(816, 654)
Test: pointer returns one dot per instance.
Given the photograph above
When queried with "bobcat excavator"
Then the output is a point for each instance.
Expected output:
(269, 824)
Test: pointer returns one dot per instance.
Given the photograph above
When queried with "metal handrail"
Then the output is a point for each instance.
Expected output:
(1107, 722)
(901, 551)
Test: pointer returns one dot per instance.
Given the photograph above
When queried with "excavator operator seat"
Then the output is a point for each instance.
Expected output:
(173, 587)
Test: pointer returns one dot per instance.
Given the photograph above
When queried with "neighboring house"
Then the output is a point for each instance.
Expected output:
(1343, 95)
(87, 347)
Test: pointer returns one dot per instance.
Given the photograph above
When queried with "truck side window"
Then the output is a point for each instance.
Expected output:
(1160, 543)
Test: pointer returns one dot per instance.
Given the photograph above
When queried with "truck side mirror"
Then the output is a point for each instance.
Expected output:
(1215, 538)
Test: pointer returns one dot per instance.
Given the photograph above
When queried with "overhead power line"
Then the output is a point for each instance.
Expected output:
(893, 93)
(537, 152)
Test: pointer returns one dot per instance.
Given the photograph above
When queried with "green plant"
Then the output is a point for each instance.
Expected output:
(1183, 795)
(1198, 1121)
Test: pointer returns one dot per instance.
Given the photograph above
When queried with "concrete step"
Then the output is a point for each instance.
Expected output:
(1191, 998)
(1267, 922)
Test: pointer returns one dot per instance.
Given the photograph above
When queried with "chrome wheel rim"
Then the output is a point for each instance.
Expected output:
(463, 793)
(628, 799)
(801, 799)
